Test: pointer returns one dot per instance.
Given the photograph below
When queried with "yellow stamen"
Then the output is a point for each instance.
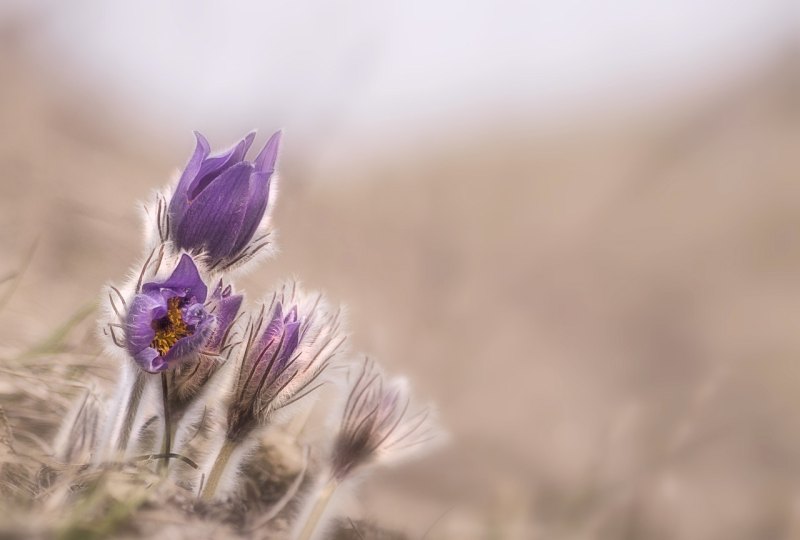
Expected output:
(170, 329)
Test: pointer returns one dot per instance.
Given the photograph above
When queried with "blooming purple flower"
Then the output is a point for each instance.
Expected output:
(220, 200)
(168, 320)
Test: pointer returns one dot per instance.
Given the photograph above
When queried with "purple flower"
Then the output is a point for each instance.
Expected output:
(168, 320)
(376, 422)
(220, 200)
(268, 368)
(285, 353)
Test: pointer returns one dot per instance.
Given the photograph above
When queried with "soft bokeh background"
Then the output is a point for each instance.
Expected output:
(574, 225)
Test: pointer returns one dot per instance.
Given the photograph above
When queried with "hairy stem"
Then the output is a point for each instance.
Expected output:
(323, 497)
(167, 425)
(217, 469)
(131, 409)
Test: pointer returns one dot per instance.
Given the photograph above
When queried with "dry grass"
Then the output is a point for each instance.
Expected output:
(47, 497)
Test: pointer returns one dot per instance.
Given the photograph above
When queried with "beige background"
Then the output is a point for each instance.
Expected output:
(605, 310)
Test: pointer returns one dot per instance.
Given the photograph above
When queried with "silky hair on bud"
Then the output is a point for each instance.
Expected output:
(289, 344)
(378, 422)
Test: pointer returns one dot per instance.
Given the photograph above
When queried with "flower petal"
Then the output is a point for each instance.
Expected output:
(265, 161)
(139, 332)
(227, 309)
(177, 205)
(291, 336)
(257, 202)
(184, 281)
(271, 334)
(149, 360)
(190, 344)
(258, 199)
(214, 219)
(194, 314)
(214, 166)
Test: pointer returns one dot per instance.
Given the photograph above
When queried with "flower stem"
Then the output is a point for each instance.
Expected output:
(167, 446)
(132, 408)
(323, 497)
(217, 469)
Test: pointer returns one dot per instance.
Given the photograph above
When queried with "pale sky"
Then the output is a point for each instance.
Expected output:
(347, 70)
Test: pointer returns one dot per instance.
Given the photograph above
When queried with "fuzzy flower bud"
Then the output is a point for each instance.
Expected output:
(220, 200)
(376, 423)
(289, 345)
(225, 307)
(168, 320)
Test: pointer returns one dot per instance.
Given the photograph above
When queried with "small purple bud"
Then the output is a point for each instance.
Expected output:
(226, 309)
(285, 353)
(220, 200)
(267, 365)
(376, 423)
(168, 321)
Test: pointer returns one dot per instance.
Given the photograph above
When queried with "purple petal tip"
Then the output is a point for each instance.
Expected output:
(265, 162)
(202, 142)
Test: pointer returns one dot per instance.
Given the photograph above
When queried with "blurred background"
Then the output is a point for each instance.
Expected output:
(574, 225)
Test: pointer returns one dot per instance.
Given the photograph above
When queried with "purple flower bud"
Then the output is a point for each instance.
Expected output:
(285, 353)
(226, 309)
(220, 200)
(168, 320)
(265, 367)
(376, 423)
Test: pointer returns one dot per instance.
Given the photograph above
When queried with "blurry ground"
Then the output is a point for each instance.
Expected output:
(606, 315)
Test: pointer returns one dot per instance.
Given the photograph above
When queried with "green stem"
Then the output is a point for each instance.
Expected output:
(323, 497)
(217, 469)
(167, 425)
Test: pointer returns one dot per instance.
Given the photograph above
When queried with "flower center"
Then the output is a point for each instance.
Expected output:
(171, 328)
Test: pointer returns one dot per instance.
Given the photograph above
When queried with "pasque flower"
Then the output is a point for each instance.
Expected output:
(376, 423)
(228, 373)
(168, 320)
(220, 199)
(288, 346)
